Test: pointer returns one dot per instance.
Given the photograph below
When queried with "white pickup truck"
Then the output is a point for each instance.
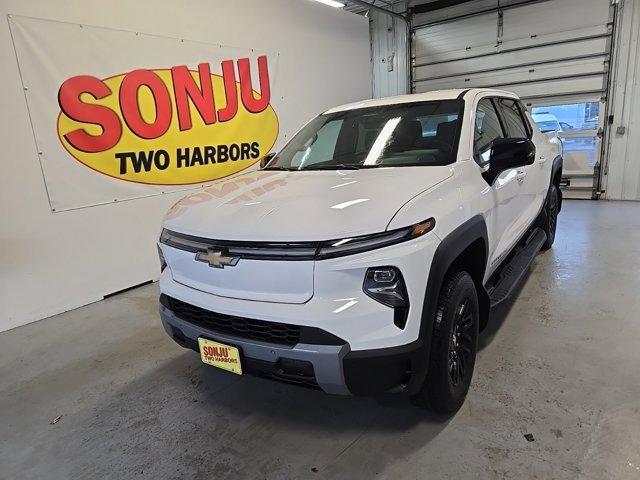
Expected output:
(366, 255)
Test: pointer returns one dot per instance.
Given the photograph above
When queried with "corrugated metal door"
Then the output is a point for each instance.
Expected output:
(554, 54)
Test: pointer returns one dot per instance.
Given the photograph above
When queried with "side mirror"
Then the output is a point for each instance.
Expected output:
(507, 153)
(264, 161)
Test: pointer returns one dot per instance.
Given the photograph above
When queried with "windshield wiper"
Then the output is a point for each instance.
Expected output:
(340, 166)
(280, 167)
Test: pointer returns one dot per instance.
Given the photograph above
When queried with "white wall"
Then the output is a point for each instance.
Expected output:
(52, 262)
(622, 179)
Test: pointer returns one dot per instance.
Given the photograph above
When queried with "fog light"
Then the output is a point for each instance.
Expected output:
(386, 285)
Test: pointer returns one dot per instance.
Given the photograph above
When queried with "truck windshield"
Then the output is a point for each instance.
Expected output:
(411, 134)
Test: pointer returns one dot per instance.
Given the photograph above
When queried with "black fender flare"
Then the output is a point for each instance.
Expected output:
(446, 254)
(555, 168)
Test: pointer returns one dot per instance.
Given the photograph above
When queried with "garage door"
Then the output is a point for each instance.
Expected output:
(554, 54)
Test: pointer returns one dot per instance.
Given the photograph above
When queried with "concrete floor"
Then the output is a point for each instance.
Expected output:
(561, 363)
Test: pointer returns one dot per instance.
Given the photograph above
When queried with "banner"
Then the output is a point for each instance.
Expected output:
(118, 115)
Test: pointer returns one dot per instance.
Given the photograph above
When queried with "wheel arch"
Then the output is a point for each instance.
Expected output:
(473, 260)
(465, 248)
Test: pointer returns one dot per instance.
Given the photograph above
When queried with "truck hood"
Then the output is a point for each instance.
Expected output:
(268, 205)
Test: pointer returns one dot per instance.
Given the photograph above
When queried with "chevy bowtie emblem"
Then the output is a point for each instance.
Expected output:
(217, 259)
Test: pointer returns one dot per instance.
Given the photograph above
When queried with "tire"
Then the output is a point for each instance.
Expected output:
(453, 346)
(550, 221)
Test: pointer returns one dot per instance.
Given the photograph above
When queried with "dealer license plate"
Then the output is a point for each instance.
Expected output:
(220, 355)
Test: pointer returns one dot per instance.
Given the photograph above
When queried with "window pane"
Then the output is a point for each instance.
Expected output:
(323, 145)
(487, 129)
(412, 134)
(572, 116)
(579, 153)
(513, 118)
(430, 124)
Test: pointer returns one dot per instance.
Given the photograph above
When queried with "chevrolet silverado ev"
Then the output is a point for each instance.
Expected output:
(366, 254)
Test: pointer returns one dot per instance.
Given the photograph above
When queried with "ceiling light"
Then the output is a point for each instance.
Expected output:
(332, 3)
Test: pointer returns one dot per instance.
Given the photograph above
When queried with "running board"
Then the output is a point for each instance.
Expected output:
(514, 271)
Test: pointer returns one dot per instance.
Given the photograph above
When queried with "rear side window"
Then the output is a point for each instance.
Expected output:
(487, 129)
(513, 119)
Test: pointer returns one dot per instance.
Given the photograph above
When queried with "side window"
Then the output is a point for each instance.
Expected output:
(513, 118)
(487, 129)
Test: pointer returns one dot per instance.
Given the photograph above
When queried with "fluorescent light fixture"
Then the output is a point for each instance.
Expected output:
(331, 3)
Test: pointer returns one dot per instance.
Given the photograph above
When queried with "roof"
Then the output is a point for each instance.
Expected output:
(416, 97)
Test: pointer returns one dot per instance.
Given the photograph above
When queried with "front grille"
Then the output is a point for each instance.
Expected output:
(246, 250)
(278, 333)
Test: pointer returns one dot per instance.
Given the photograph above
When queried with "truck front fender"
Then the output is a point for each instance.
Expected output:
(469, 241)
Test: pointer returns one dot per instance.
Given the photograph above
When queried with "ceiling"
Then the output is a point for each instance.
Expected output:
(351, 7)
(420, 6)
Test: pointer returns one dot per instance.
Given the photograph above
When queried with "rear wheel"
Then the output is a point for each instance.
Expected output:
(454, 345)
(551, 216)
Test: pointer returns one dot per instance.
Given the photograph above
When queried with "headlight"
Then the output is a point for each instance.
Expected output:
(348, 246)
(386, 285)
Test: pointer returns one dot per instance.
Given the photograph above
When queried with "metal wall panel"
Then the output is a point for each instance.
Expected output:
(389, 57)
(456, 40)
(541, 49)
(553, 17)
(548, 55)
(622, 170)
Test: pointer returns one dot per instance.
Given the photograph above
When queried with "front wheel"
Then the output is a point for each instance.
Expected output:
(453, 346)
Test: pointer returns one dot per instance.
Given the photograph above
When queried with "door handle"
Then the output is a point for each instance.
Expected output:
(520, 175)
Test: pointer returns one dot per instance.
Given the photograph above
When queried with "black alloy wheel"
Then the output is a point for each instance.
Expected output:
(453, 345)
(461, 344)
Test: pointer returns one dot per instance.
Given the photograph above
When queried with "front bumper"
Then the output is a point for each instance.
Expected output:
(333, 368)
(374, 353)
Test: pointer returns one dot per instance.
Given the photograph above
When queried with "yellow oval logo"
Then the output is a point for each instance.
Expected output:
(169, 126)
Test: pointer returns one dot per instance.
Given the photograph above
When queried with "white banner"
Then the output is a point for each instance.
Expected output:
(118, 115)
